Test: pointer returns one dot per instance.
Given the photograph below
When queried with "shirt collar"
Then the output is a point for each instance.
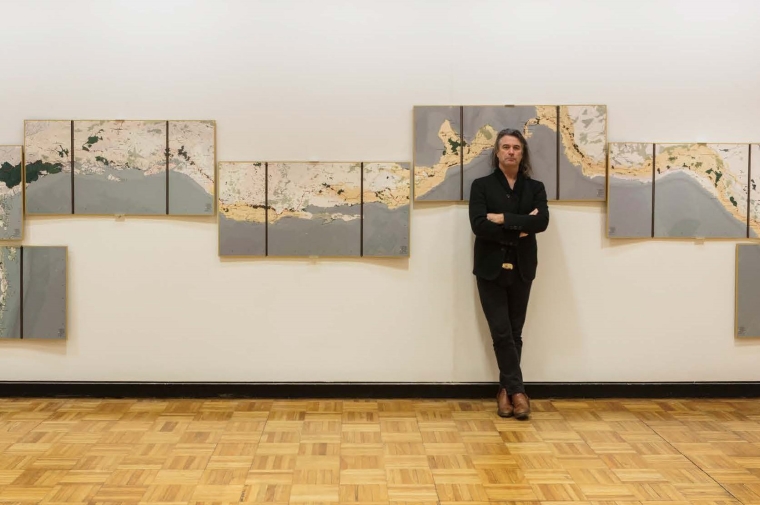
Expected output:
(503, 180)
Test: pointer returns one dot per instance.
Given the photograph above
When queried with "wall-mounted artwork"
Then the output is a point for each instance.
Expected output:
(754, 207)
(701, 190)
(242, 209)
(192, 158)
(10, 292)
(438, 153)
(44, 292)
(48, 176)
(11, 195)
(120, 167)
(385, 209)
(568, 148)
(747, 300)
(314, 209)
(33, 292)
(582, 152)
(629, 204)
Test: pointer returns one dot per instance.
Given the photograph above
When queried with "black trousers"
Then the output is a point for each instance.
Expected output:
(505, 304)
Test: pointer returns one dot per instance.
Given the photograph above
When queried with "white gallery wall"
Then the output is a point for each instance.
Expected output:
(150, 300)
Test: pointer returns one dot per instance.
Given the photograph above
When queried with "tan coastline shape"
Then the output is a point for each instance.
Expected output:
(546, 115)
(295, 186)
(241, 191)
(427, 178)
(631, 161)
(243, 212)
(386, 183)
(591, 166)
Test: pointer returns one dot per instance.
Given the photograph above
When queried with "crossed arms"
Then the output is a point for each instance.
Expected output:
(506, 228)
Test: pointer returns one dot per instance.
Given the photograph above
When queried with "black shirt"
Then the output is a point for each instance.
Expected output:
(513, 207)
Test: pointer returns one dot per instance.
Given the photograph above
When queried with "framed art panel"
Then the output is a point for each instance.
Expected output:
(701, 190)
(47, 167)
(242, 209)
(386, 189)
(438, 153)
(44, 292)
(120, 167)
(10, 292)
(192, 158)
(747, 290)
(314, 209)
(582, 152)
(630, 190)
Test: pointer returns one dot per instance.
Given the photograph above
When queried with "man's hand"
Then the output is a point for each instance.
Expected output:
(495, 218)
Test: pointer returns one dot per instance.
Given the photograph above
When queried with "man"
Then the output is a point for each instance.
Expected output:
(507, 209)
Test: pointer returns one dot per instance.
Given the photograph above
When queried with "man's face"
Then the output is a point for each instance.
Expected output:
(510, 152)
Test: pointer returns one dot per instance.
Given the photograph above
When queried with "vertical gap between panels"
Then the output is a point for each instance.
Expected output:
(749, 186)
(72, 167)
(461, 152)
(559, 138)
(361, 212)
(21, 293)
(654, 173)
(166, 155)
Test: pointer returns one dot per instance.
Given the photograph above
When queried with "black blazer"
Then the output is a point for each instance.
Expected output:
(489, 196)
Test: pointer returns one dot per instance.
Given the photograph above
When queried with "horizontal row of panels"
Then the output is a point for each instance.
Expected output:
(314, 209)
(120, 167)
(33, 292)
(683, 191)
(453, 146)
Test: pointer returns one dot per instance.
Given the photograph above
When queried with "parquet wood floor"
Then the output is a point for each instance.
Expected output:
(395, 452)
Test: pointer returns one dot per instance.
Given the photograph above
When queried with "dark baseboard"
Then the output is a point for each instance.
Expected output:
(481, 390)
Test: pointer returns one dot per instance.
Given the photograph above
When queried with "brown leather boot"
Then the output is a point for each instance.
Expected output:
(504, 405)
(521, 405)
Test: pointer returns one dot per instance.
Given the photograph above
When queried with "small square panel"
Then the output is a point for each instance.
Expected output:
(701, 190)
(192, 155)
(629, 202)
(242, 209)
(385, 209)
(747, 290)
(754, 207)
(10, 292)
(314, 209)
(120, 167)
(582, 152)
(44, 292)
(437, 153)
(48, 167)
